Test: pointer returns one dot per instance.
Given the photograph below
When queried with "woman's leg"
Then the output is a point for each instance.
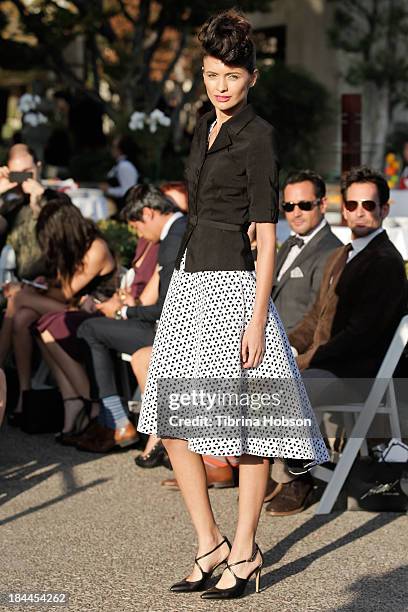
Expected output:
(23, 348)
(29, 306)
(6, 337)
(253, 478)
(3, 395)
(72, 407)
(140, 365)
(72, 369)
(70, 376)
(191, 477)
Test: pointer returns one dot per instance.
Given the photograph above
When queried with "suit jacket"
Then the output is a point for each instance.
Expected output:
(295, 293)
(167, 255)
(230, 185)
(358, 308)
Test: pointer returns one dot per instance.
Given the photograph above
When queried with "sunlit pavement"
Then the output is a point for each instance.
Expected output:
(105, 532)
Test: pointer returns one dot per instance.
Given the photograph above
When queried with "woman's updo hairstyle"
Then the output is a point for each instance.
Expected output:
(227, 36)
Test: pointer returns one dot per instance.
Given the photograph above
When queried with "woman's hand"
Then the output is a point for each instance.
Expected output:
(126, 297)
(253, 345)
(86, 304)
(110, 307)
(5, 184)
(10, 289)
(11, 307)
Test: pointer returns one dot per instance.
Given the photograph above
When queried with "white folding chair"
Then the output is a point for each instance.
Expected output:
(380, 400)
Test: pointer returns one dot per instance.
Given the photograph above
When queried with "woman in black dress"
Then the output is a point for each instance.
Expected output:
(218, 321)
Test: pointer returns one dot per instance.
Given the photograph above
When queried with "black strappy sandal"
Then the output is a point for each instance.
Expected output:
(238, 589)
(81, 422)
(189, 586)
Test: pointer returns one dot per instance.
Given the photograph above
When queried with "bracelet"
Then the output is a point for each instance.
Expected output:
(118, 314)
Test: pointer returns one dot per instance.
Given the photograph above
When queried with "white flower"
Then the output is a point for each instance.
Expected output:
(157, 116)
(34, 119)
(30, 119)
(27, 103)
(137, 121)
(42, 119)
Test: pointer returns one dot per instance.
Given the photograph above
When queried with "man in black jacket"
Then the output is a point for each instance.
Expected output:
(347, 331)
(301, 258)
(133, 327)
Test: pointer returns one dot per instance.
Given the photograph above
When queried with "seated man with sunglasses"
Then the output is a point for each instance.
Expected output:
(362, 298)
(302, 257)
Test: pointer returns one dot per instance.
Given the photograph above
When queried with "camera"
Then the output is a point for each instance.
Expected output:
(20, 177)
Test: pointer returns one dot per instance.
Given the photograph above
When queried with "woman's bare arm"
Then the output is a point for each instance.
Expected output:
(97, 261)
(253, 342)
(150, 293)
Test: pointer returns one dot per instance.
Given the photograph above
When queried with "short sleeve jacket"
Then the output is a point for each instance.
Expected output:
(230, 185)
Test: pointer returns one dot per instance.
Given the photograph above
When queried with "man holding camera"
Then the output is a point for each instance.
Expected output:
(20, 196)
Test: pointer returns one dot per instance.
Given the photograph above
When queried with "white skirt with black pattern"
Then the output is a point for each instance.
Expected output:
(199, 337)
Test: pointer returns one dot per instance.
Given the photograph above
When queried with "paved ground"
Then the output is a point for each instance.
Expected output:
(104, 531)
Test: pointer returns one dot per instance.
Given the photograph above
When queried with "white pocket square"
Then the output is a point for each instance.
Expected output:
(296, 273)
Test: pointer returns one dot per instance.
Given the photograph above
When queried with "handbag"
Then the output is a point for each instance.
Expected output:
(43, 411)
(378, 486)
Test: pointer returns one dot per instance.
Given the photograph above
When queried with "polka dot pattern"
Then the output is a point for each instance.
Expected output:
(199, 336)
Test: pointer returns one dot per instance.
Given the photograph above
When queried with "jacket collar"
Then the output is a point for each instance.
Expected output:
(231, 126)
(236, 123)
(308, 250)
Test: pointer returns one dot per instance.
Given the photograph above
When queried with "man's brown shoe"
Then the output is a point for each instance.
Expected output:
(107, 439)
(272, 489)
(294, 497)
(217, 478)
(91, 431)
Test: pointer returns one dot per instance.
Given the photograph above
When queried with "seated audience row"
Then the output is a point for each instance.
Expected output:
(334, 301)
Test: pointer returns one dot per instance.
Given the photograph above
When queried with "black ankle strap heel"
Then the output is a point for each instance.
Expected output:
(189, 586)
(238, 589)
(81, 422)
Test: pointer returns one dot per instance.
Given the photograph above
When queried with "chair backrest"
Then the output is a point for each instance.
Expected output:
(395, 350)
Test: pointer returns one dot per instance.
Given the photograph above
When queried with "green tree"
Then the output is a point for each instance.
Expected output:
(373, 36)
(298, 106)
(134, 45)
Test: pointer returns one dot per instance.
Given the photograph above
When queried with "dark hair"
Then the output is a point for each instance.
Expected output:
(64, 236)
(364, 174)
(227, 36)
(146, 195)
(300, 176)
(127, 145)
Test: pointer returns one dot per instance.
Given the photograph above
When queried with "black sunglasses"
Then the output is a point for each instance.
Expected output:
(303, 205)
(368, 205)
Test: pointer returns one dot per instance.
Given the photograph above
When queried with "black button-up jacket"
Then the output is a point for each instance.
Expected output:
(230, 185)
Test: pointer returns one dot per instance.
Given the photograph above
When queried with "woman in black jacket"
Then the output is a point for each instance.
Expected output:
(219, 329)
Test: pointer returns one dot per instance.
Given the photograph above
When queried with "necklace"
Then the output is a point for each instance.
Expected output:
(211, 129)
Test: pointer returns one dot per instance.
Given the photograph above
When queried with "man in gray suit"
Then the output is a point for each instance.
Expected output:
(302, 257)
(299, 270)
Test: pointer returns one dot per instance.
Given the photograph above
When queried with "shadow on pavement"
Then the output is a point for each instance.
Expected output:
(301, 564)
(27, 461)
(386, 592)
